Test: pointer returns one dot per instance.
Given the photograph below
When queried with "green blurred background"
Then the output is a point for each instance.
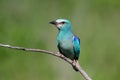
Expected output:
(26, 23)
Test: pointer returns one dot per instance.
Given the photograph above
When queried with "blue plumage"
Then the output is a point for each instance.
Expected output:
(67, 43)
(76, 46)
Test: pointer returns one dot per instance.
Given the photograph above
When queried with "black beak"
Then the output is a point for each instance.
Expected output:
(53, 22)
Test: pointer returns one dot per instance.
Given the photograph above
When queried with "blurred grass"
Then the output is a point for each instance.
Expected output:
(26, 23)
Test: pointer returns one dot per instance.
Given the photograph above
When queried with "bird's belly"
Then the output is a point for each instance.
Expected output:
(67, 49)
(66, 45)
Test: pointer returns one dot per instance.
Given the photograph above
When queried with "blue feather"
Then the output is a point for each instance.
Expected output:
(76, 44)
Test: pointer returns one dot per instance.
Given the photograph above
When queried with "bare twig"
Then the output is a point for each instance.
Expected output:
(77, 66)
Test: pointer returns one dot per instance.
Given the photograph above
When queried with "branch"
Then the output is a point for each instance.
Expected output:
(77, 66)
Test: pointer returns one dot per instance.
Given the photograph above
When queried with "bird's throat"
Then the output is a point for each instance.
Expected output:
(64, 35)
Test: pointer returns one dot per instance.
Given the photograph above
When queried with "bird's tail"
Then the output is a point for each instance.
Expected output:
(75, 62)
(75, 68)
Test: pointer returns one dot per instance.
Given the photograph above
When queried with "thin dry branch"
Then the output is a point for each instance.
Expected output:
(77, 66)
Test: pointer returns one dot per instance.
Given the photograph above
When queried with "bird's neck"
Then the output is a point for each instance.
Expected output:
(64, 34)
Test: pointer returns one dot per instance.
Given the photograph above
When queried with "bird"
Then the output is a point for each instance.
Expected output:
(67, 42)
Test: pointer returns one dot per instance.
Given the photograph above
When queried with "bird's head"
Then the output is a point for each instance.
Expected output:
(62, 24)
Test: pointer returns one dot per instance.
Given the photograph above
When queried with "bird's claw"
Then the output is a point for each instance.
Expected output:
(61, 55)
(75, 62)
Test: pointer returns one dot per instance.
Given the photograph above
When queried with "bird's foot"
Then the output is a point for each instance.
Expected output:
(61, 55)
(75, 62)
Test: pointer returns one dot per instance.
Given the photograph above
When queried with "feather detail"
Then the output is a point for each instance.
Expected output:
(76, 47)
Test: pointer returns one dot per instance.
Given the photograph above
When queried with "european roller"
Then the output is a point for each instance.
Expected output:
(67, 43)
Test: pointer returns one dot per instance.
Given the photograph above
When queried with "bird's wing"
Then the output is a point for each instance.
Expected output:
(76, 47)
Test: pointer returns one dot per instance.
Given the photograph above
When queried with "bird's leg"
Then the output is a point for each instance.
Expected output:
(61, 55)
(75, 62)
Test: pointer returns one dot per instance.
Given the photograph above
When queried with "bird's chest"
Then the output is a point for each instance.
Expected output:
(66, 44)
(65, 40)
(66, 48)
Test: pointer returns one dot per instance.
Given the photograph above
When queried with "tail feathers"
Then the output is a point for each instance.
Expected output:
(75, 68)
(75, 62)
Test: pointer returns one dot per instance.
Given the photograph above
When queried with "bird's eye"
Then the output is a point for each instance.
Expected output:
(63, 22)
